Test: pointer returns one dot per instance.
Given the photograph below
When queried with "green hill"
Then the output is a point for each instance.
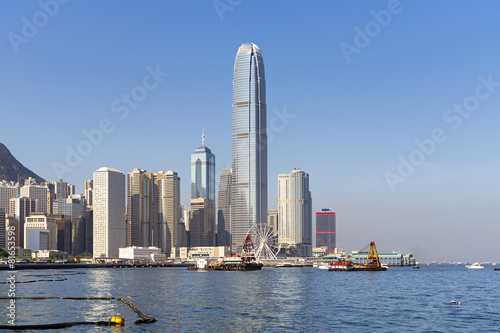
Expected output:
(11, 168)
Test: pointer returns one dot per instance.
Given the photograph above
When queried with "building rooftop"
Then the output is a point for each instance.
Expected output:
(106, 169)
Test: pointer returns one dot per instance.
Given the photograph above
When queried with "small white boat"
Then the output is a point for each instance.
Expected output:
(475, 265)
(315, 265)
(324, 265)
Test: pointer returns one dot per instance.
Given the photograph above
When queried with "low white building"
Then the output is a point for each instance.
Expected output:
(46, 254)
(206, 251)
(138, 253)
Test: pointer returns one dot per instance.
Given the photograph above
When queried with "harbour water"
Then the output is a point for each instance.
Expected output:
(271, 300)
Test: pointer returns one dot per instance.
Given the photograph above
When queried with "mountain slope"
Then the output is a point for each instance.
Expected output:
(11, 168)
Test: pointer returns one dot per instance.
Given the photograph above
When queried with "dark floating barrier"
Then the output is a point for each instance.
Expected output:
(114, 321)
(59, 325)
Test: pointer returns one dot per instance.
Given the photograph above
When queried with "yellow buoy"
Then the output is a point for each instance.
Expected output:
(115, 320)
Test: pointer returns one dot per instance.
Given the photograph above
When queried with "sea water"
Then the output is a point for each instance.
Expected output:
(307, 299)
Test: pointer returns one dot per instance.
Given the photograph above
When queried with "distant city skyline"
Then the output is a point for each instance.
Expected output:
(395, 120)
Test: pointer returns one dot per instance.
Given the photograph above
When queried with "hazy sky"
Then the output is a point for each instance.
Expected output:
(391, 107)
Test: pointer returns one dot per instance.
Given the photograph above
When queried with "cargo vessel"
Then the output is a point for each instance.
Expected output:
(372, 263)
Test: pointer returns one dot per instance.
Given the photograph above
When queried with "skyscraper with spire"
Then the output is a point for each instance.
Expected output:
(203, 172)
(249, 144)
(202, 219)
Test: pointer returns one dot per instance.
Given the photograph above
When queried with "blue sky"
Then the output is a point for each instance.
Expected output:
(347, 121)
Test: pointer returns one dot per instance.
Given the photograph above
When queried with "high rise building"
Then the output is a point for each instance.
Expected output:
(272, 219)
(109, 212)
(202, 222)
(141, 209)
(203, 173)
(71, 189)
(39, 192)
(224, 209)
(21, 208)
(8, 190)
(61, 188)
(72, 207)
(78, 235)
(88, 188)
(326, 226)
(295, 212)
(249, 144)
(169, 211)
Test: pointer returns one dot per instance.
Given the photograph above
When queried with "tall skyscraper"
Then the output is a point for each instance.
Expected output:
(326, 221)
(22, 208)
(249, 144)
(224, 209)
(169, 211)
(202, 220)
(203, 173)
(109, 212)
(141, 209)
(295, 212)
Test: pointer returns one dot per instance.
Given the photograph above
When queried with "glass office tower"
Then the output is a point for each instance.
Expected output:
(249, 144)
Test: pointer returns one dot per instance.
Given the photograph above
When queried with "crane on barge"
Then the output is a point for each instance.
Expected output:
(373, 260)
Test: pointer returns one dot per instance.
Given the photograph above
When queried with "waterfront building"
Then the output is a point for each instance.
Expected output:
(224, 208)
(78, 235)
(326, 226)
(89, 232)
(202, 222)
(41, 221)
(8, 190)
(109, 232)
(204, 251)
(38, 192)
(64, 227)
(21, 208)
(272, 219)
(88, 192)
(388, 258)
(3, 230)
(139, 253)
(295, 213)
(169, 211)
(141, 209)
(37, 239)
(11, 223)
(249, 144)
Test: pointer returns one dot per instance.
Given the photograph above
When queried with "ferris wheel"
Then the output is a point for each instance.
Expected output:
(265, 240)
